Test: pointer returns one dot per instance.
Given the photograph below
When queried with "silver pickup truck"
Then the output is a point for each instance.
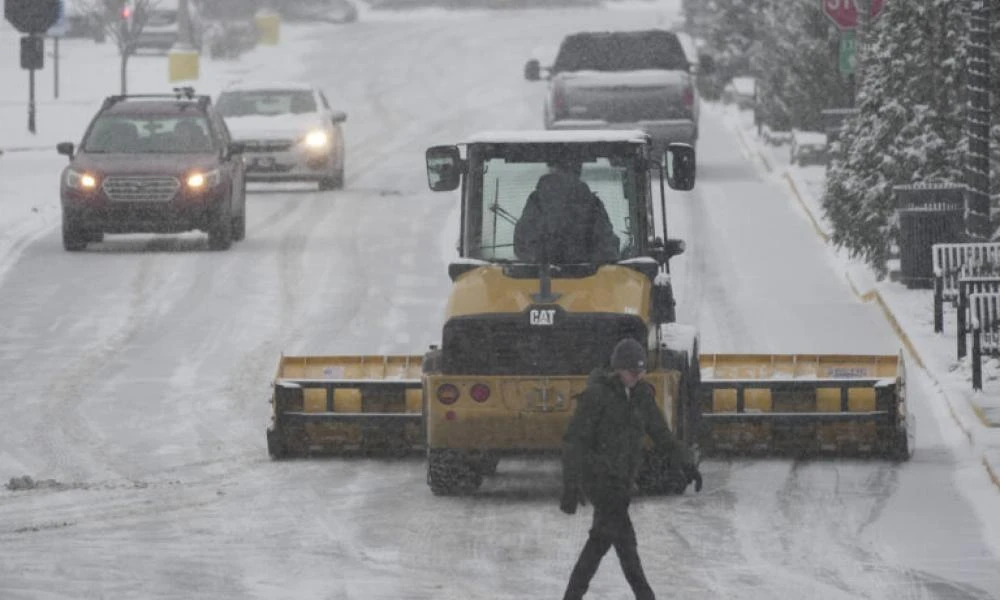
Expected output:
(622, 80)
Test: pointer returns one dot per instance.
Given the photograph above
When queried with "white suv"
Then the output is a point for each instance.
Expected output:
(288, 130)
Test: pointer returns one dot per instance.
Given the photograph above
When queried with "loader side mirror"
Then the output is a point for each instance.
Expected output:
(444, 168)
(663, 252)
(706, 64)
(65, 148)
(680, 163)
(674, 247)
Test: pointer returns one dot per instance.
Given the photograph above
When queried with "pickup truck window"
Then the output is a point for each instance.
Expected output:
(628, 51)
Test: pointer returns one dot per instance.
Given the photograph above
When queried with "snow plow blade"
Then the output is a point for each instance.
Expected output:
(344, 405)
(804, 406)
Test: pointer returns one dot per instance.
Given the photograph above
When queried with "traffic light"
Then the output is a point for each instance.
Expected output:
(32, 52)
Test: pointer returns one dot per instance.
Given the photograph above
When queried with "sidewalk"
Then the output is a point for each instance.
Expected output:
(910, 312)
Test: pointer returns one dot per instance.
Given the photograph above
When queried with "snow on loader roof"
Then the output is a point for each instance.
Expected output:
(544, 136)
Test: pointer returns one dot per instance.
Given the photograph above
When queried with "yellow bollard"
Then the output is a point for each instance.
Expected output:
(268, 27)
(182, 63)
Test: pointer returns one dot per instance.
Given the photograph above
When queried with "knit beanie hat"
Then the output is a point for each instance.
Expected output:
(629, 355)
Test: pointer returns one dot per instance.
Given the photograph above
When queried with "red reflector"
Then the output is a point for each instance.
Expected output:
(558, 101)
(480, 392)
(447, 394)
(450, 416)
(688, 97)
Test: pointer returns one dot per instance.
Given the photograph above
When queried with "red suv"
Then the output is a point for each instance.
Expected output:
(154, 164)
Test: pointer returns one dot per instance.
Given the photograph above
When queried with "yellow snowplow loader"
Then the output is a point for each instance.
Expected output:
(521, 335)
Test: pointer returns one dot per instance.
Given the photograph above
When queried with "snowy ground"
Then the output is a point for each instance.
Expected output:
(136, 374)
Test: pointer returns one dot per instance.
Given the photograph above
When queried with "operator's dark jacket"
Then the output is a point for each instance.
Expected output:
(603, 443)
(564, 222)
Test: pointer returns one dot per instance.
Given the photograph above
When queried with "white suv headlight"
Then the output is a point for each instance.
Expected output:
(317, 139)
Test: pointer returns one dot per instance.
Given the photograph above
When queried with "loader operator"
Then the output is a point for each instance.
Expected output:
(601, 458)
(564, 222)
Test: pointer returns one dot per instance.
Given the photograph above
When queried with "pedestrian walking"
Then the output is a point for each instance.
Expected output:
(601, 458)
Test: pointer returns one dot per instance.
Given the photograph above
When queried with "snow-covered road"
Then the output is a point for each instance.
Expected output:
(135, 379)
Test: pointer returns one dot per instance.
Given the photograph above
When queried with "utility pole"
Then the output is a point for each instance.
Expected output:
(977, 167)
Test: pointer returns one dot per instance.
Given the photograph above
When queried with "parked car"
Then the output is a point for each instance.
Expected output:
(808, 148)
(333, 11)
(228, 26)
(229, 39)
(154, 164)
(741, 91)
(161, 28)
(289, 132)
(82, 20)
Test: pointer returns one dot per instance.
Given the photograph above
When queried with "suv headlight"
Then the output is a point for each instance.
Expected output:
(203, 180)
(317, 139)
(81, 180)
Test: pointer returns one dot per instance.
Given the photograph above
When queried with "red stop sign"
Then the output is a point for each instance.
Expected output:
(845, 12)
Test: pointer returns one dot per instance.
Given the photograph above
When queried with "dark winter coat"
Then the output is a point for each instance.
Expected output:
(564, 222)
(603, 442)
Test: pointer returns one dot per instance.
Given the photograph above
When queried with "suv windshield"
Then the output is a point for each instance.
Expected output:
(500, 190)
(621, 52)
(266, 103)
(145, 134)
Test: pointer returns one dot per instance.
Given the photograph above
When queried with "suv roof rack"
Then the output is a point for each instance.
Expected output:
(180, 93)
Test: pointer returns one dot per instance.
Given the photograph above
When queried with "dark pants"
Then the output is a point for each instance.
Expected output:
(612, 527)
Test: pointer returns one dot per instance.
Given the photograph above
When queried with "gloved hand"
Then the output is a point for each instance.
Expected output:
(571, 498)
(693, 475)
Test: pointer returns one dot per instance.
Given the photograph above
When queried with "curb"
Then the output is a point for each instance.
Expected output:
(812, 218)
(993, 475)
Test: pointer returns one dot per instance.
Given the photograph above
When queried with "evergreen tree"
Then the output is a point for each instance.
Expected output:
(797, 65)
(910, 126)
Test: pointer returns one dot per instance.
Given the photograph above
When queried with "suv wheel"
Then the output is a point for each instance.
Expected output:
(335, 181)
(240, 221)
(220, 234)
(74, 237)
(239, 228)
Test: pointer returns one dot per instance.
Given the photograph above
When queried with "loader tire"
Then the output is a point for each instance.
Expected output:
(449, 473)
(486, 464)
